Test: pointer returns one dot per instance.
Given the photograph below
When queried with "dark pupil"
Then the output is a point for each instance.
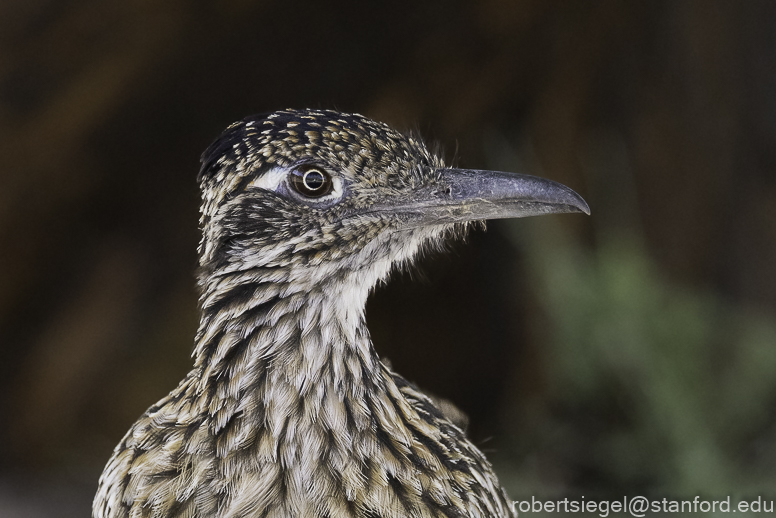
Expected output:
(313, 180)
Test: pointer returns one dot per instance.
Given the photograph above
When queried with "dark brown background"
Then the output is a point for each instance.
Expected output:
(630, 352)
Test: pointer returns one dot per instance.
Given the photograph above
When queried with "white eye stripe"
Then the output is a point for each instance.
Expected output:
(276, 178)
(270, 180)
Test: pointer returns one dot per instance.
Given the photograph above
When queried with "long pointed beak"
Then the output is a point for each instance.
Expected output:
(467, 195)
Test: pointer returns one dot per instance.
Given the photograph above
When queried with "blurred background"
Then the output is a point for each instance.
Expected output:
(631, 352)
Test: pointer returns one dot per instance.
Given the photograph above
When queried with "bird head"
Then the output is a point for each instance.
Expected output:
(319, 195)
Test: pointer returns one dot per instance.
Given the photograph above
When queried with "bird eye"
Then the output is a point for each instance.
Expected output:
(311, 182)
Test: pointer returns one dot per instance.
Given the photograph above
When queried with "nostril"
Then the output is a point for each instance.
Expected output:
(448, 191)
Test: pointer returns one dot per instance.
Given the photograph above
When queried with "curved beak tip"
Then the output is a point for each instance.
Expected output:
(580, 205)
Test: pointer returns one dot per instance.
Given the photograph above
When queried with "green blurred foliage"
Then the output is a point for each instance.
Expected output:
(653, 387)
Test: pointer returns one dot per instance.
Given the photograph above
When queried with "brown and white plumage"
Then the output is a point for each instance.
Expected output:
(288, 411)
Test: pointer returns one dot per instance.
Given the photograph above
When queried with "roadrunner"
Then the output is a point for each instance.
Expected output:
(288, 410)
